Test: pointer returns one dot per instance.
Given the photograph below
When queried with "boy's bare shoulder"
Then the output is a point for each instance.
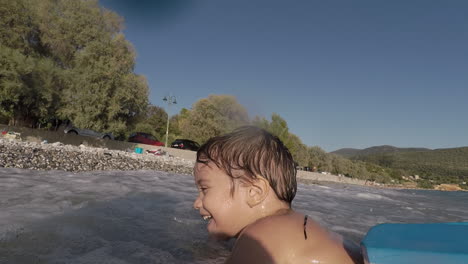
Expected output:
(281, 239)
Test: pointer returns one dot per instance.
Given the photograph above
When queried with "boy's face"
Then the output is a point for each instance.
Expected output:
(225, 214)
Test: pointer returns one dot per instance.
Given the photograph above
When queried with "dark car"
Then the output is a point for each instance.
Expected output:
(144, 138)
(185, 144)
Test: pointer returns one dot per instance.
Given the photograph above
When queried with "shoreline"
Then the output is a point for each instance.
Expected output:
(24, 154)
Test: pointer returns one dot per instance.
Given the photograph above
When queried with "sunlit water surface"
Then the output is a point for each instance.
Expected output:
(147, 217)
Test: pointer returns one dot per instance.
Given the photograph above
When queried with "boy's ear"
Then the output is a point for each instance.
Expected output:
(257, 191)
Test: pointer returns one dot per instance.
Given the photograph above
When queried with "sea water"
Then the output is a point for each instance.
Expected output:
(147, 216)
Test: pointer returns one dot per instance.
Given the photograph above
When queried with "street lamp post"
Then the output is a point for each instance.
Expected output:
(169, 100)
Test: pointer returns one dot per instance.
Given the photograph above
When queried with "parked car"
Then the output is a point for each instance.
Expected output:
(87, 132)
(144, 138)
(185, 144)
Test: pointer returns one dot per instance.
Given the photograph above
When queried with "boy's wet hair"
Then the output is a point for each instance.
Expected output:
(253, 152)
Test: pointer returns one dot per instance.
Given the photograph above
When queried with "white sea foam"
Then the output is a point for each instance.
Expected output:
(347, 230)
(372, 196)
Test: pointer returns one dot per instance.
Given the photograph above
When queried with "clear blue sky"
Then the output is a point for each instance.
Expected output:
(341, 73)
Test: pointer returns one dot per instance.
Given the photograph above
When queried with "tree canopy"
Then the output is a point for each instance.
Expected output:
(212, 116)
(153, 121)
(67, 59)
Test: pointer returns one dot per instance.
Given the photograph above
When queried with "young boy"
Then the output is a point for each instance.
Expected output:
(247, 181)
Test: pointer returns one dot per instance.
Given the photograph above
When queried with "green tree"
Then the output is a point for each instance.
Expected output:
(153, 121)
(279, 127)
(17, 28)
(175, 130)
(105, 94)
(212, 116)
(29, 88)
(68, 27)
(315, 157)
(299, 151)
(15, 94)
(67, 59)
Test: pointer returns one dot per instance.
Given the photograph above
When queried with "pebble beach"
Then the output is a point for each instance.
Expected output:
(57, 156)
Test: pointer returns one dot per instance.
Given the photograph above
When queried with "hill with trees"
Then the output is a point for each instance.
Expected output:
(438, 166)
(352, 152)
(346, 152)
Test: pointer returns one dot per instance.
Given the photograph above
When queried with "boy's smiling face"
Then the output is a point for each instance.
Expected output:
(226, 214)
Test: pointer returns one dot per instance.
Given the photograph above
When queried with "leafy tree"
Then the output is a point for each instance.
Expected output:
(298, 150)
(29, 87)
(315, 157)
(68, 27)
(279, 127)
(14, 92)
(174, 124)
(212, 116)
(67, 59)
(153, 121)
(105, 94)
(17, 28)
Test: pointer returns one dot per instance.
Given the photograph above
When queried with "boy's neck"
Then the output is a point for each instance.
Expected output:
(267, 209)
(273, 207)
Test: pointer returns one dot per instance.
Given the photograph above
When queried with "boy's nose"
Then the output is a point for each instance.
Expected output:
(197, 203)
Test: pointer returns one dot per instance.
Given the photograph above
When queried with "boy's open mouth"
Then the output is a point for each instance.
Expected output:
(206, 217)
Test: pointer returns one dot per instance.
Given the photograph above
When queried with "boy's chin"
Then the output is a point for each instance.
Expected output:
(219, 236)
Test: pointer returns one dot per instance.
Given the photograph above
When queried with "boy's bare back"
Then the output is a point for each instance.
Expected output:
(281, 239)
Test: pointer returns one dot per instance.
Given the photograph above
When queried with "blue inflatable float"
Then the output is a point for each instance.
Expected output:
(441, 243)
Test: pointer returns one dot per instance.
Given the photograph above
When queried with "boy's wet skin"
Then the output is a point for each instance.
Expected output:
(268, 231)
(238, 204)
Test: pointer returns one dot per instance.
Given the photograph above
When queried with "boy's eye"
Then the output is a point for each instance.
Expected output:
(203, 189)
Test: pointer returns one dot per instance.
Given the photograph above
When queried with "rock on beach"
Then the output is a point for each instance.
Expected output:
(42, 156)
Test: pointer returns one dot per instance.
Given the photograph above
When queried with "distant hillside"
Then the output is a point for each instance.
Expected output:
(346, 152)
(351, 152)
(435, 164)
